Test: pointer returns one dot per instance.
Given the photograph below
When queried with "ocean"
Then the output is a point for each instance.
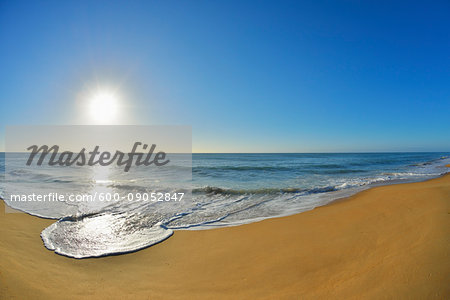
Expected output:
(224, 190)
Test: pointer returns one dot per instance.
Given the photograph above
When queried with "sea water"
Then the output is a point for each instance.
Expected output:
(227, 190)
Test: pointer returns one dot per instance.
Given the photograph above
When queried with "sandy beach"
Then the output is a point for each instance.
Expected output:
(224, 150)
(386, 242)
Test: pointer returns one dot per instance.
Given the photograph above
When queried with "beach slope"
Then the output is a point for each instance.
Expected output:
(386, 242)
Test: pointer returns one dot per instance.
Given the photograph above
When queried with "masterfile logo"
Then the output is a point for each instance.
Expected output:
(49, 167)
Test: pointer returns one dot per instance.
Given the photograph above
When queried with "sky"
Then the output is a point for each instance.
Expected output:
(248, 76)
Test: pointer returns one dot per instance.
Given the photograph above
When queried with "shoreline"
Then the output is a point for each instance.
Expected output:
(390, 241)
(352, 192)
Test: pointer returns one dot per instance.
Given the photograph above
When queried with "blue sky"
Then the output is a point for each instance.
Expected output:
(249, 76)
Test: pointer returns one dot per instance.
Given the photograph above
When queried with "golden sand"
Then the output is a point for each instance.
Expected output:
(387, 242)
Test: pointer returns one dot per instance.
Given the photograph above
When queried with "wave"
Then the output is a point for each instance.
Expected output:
(223, 191)
(211, 190)
(356, 182)
(430, 162)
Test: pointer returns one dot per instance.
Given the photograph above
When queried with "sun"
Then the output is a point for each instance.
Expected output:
(103, 107)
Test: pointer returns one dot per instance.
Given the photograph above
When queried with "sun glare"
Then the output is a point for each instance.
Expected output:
(103, 107)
